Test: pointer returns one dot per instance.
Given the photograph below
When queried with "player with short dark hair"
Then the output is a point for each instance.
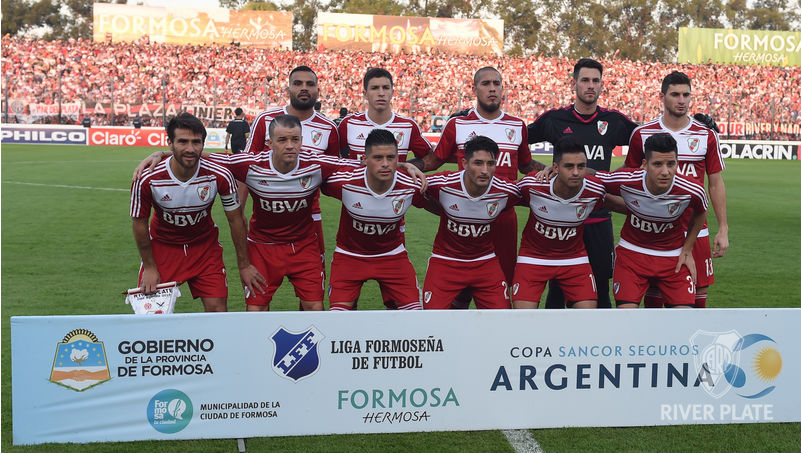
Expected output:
(354, 128)
(699, 154)
(552, 247)
(599, 130)
(654, 246)
(237, 131)
(509, 132)
(468, 202)
(181, 242)
(370, 244)
(319, 133)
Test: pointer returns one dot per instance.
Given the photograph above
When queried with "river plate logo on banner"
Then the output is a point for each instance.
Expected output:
(295, 356)
(747, 364)
(169, 411)
(80, 362)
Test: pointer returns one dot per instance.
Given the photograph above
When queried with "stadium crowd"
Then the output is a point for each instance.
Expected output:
(425, 85)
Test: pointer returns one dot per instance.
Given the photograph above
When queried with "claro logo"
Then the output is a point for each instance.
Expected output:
(127, 137)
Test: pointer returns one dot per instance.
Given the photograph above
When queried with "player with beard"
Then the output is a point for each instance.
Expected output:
(319, 133)
(509, 132)
(699, 154)
(599, 130)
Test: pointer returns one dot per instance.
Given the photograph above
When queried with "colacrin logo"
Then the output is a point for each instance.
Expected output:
(747, 365)
(169, 411)
(80, 361)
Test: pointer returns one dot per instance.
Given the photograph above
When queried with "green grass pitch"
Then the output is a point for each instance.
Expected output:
(67, 248)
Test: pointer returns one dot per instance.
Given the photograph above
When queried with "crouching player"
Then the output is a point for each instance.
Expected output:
(468, 202)
(181, 242)
(552, 247)
(653, 247)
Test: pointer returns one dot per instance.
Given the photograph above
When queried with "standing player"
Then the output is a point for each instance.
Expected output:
(319, 133)
(600, 130)
(369, 242)
(181, 242)
(699, 154)
(509, 132)
(653, 248)
(552, 247)
(237, 132)
(468, 203)
(354, 128)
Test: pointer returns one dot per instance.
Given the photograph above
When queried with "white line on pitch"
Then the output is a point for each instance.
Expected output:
(65, 187)
(522, 441)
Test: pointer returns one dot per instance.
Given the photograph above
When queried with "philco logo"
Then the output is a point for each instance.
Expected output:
(296, 356)
(80, 362)
(723, 352)
(169, 411)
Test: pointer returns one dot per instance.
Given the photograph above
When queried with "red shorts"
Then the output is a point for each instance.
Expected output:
(199, 264)
(635, 271)
(702, 254)
(577, 281)
(395, 276)
(446, 278)
(504, 237)
(298, 261)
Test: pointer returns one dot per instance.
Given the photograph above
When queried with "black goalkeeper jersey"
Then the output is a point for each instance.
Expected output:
(600, 132)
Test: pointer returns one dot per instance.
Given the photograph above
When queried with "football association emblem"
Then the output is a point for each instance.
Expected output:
(673, 207)
(510, 134)
(580, 210)
(602, 127)
(80, 362)
(399, 136)
(305, 181)
(693, 144)
(616, 287)
(203, 192)
(427, 297)
(317, 137)
(295, 356)
(492, 208)
(397, 206)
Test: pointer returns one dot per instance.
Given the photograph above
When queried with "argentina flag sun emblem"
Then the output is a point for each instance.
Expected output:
(296, 355)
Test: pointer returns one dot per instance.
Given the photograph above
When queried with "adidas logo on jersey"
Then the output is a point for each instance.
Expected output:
(166, 197)
(542, 208)
(360, 137)
(453, 207)
(472, 134)
(263, 182)
(635, 203)
(357, 205)
(567, 130)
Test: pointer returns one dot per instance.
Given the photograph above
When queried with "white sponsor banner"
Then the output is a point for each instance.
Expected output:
(760, 149)
(185, 376)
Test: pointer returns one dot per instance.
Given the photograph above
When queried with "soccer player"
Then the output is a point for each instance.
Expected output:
(599, 130)
(653, 247)
(369, 242)
(468, 202)
(552, 247)
(181, 242)
(699, 154)
(509, 132)
(319, 133)
(354, 128)
(237, 132)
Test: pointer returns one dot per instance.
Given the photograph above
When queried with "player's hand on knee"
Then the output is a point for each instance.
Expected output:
(545, 174)
(252, 279)
(686, 259)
